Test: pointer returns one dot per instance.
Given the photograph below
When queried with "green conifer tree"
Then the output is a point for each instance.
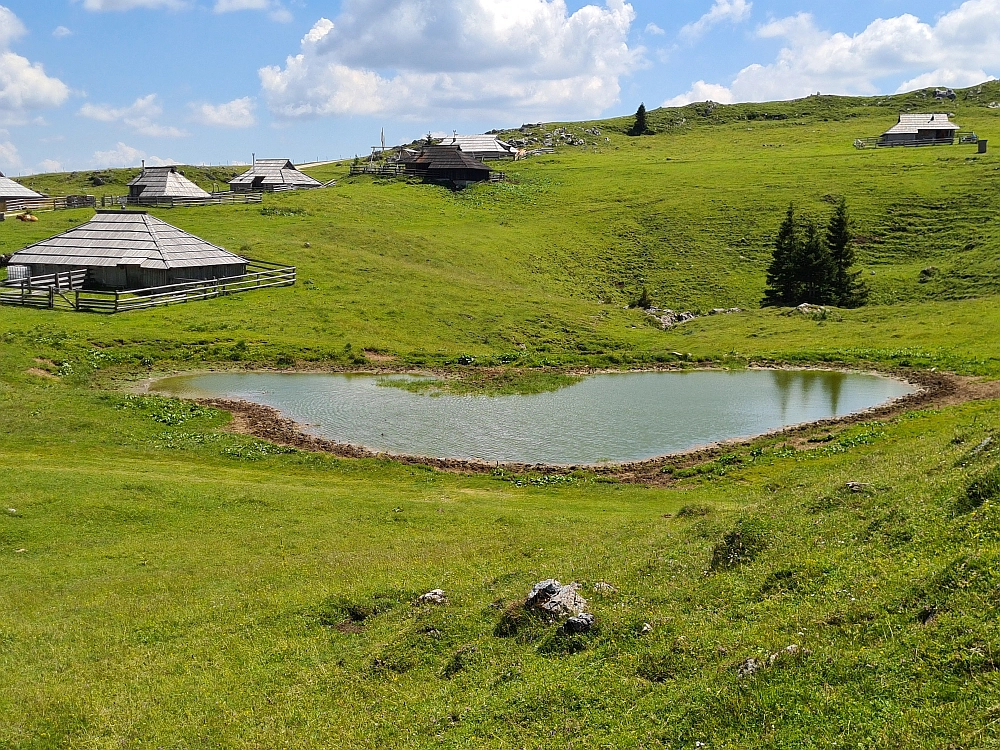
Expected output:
(640, 127)
(848, 287)
(814, 269)
(782, 277)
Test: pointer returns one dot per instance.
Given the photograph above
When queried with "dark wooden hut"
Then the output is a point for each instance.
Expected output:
(129, 250)
(446, 165)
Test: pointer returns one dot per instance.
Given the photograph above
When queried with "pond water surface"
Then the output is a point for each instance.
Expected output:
(603, 418)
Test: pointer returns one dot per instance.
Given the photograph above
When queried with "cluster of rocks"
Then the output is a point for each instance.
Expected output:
(560, 602)
(945, 94)
(435, 596)
(807, 309)
(531, 137)
(993, 105)
(750, 667)
(549, 598)
(669, 318)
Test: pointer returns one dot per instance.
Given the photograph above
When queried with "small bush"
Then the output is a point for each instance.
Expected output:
(985, 487)
(739, 546)
(694, 511)
(339, 609)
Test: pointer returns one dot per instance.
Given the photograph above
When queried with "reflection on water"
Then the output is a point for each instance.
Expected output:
(623, 417)
(787, 381)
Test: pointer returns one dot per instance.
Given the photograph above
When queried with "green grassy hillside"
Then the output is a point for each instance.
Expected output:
(167, 583)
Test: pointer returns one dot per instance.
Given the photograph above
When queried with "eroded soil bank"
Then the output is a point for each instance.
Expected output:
(935, 390)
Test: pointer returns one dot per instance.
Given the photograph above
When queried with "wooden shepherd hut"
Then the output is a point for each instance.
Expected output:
(271, 175)
(10, 190)
(446, 165)
(164, 182)
(921, 130)
(128, 250)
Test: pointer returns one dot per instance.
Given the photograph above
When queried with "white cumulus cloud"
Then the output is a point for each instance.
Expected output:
(238, 113)
(10, 159)
(24, 86)
(103, 5)
(123, 155)
(61, 32)
(141, 116)
(50, 165)
(276, 10)
(509, 58)
(960, 49)
(652, 28)
(723, 11)
(11, 27)
(702, 92)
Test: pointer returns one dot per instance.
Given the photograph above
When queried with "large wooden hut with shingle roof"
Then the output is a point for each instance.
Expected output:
(446, 165)
(272, 175)
(921, 130)
(130, 250)
(164, 182)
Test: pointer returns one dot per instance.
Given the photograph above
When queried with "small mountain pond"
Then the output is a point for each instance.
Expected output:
(603, 418)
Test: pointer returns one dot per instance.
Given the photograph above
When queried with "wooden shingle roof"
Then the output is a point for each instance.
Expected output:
(275, 172)
(11, 189)
(125, 238)
(481, 146)
(166, 182)
(446, 157)
(914, 123)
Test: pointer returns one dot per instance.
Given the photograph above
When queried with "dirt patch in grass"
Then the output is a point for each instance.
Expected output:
(38, 372)
(936, 390)
(379, 357)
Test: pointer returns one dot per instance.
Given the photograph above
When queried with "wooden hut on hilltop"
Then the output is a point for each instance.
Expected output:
(272, 175)
(125, 250)
(446, 165)
(921, 130)
(164, 182)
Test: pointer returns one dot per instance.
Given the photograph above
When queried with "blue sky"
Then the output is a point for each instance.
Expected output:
(92, 83)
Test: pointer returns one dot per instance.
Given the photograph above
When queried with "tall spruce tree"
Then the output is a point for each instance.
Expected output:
(814, 268)
(782, 276)
(849, 290)
(639, 127)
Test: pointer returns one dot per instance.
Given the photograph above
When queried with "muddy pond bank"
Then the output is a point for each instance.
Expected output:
(268, 423)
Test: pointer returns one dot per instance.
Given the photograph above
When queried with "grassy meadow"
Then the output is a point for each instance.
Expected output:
(168, 583)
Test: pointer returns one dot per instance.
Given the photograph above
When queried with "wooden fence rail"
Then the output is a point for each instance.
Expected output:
(390, 169)
(66, 290)
(879, 141)
(215, 199)
(17, 205)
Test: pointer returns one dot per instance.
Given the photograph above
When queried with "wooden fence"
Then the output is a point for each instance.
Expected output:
(214, 199)
(879, 141)
(385, 169)
(65, 290)
(17, 205)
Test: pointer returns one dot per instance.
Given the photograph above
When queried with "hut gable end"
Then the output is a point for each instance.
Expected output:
(164, 182)
(273, 174)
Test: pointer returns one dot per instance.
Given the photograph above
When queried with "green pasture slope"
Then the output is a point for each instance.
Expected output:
(168, 584)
